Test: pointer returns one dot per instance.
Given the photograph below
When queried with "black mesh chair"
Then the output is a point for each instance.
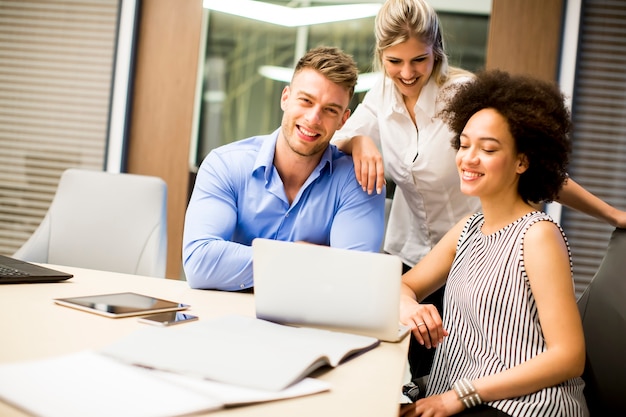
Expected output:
(603, 310)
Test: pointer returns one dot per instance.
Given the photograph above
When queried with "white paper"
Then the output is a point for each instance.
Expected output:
(89, 384)
(236, 395)
(239, 350)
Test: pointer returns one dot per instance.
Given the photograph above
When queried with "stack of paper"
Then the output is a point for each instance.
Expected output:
(239, 350)
(197, 367)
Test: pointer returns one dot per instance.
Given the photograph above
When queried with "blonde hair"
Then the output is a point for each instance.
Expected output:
(400, 20)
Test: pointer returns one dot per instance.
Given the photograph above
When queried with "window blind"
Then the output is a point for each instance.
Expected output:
(599, 135)
(56, 63)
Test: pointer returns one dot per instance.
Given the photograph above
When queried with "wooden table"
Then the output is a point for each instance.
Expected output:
(33, 327)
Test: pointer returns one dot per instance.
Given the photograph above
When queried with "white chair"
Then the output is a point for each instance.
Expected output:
(99, 220)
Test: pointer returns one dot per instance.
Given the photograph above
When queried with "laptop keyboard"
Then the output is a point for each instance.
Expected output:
(8, 272)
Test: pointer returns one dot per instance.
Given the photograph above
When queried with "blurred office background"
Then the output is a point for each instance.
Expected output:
(243, 57)
(151, 86)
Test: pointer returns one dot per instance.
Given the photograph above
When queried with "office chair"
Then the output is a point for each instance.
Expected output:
(603, 310)
(100, 220)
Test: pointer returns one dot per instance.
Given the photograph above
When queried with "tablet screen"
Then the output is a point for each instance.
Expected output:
(121, 304)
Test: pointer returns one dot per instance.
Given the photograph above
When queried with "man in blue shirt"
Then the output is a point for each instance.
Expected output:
(290, 185)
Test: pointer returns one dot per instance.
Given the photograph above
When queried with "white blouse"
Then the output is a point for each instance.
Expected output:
(428, 200)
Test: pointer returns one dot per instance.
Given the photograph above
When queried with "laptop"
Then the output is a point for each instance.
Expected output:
(319, 286)
(14, 271)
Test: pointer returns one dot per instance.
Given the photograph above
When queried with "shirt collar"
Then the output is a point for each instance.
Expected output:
(265, 157)
(425, 102)
(428, 97)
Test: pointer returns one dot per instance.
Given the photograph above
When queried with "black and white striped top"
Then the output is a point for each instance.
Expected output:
(492, 320)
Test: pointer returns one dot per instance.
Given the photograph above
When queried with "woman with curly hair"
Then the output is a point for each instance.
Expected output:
(511, 341)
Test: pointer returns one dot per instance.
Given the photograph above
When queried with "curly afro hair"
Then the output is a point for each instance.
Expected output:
(538, 120)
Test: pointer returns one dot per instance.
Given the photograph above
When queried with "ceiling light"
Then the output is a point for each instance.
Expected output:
(292, 16)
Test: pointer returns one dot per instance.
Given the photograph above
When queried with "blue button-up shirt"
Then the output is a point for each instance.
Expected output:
(239, 196)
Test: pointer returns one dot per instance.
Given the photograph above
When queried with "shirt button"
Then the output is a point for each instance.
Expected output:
(242, 286)
(286, 214)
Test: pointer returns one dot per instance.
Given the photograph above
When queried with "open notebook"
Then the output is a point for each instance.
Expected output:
(320, 286)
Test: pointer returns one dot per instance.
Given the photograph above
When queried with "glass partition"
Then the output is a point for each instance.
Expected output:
(240, 95)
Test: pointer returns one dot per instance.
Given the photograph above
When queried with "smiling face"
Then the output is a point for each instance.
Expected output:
(314, 108)
(409, 65)
(487, 160)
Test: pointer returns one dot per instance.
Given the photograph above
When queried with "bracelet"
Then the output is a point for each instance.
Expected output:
(467, 393)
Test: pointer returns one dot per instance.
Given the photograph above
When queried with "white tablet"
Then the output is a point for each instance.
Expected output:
(123, 304)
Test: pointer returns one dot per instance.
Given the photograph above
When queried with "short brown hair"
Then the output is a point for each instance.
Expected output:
(333, 64)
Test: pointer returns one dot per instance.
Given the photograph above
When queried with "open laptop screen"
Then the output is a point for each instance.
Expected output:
(320, 286)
